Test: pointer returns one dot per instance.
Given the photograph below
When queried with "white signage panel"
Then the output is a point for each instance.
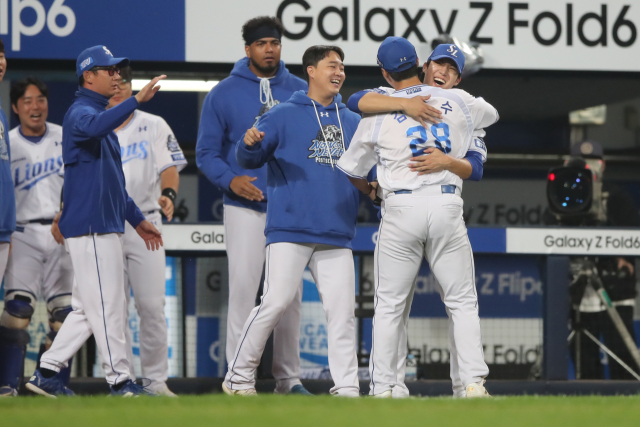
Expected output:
(537, 34)
(193, 237)
(573, 241)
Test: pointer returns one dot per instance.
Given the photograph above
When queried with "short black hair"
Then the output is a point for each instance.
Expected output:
(405, 74)
(1, 46)
(19, 87)
(253, 24)
(125, 73)
(315, 54)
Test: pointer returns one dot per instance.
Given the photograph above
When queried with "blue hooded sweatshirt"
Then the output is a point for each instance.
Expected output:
(7, 196)
(310, 199)
(94, 194)
(233, 106)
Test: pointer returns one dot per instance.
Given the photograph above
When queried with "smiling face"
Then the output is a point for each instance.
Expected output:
(441, 73)
(264, 55)
(328, 76)
(32, 110)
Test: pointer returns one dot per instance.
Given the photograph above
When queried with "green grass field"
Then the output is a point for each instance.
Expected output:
(270, 410)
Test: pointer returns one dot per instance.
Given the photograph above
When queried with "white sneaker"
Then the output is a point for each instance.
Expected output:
(246, 392)
(384, 395)
(477, 390)
(161, 389)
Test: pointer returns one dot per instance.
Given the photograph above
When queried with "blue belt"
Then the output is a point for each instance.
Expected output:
(446, 189)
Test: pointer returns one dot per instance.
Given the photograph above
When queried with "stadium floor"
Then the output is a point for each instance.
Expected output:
(300, 411)
(431, 388)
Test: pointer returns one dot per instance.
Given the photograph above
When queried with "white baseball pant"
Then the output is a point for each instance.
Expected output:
(98, 306)
(144, 272)
(4, 256)
(38, 264)
(424, 223)
(245, 240)
(333, 271)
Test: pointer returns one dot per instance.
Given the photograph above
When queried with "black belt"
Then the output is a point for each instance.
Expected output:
(150, 212)
(40, 221)
(446, 189)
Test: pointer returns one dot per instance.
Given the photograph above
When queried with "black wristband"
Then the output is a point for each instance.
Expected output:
(170, 193)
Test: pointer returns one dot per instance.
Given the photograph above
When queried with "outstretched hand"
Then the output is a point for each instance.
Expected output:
(147, 92)
(150, 234)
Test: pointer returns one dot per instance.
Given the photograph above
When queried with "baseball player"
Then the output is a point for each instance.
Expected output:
(445, 64)
(37, 265)
(257, 83)
(96, 205)
(151, 160)
(11, 343)
(422, 216)
(311, 218)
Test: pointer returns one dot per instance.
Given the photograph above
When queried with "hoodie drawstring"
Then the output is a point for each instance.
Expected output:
(326, 143)
(344, 147)
(265, 92)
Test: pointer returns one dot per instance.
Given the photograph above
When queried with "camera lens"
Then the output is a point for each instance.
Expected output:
(570, 190)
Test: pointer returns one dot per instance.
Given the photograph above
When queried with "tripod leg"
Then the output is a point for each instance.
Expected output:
(611, 354)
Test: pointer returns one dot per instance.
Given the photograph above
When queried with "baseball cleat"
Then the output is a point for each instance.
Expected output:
(131, 389)
(477, 390)
(299, 389)
(49, 387)
(161, 389)
(384, 395)
(8, 391)
(245, 392)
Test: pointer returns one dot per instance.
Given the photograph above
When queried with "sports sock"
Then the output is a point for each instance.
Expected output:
(118, 386)
(47, 373)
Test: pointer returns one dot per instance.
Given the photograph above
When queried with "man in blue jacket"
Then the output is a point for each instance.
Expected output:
(257, 83)
(95, 206)
(311, 218)
(12, 339)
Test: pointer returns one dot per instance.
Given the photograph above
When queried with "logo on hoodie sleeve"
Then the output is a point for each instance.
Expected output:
(321, 148)
(264, 109)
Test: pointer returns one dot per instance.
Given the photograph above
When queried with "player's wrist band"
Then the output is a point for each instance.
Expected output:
(170, 193)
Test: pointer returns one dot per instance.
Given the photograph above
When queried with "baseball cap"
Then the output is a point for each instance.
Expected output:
(450, 51)
(396, 54)
(587, 150)
(97, 56)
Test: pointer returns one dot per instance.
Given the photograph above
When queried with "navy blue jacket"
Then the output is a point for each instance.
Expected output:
(7, 196)
(310, 201)
(232, 107)
(94, 194)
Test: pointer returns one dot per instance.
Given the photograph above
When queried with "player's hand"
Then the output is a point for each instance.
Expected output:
(624, 263)
(374, 190)
(433, 161)
(253, 136)
(243, 187)
(55, 229)
(147, 92)
(167, 207)
(150, 234)
(419, 110)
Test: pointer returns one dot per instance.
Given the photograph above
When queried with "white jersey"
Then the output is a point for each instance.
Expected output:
(391, 140)
(148, 147)
(36, 169)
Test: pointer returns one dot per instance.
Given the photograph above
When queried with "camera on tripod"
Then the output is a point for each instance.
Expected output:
(574, 190)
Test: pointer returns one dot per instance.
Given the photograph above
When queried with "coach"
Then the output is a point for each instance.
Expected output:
(95, 207)
(257, 83)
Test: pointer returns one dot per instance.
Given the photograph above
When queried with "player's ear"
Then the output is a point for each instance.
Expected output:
(88, 77)
(458, 80)
(311, 70)
(247, 49)
(15, 109)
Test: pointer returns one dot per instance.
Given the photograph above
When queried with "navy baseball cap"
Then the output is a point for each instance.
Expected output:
(396, 54)
(450, 51)
(97, 56)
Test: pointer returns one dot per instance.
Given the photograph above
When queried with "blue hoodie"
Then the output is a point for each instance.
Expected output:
(7, 196)
(309, 200)
(233, 106)
(94, 194)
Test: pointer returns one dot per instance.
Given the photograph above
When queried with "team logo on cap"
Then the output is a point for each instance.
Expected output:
(453, 51)
(586, 148)
(85, 64)
(380, 64)
(107, 51)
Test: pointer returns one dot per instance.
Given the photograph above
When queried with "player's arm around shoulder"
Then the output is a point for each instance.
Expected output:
(482, 113)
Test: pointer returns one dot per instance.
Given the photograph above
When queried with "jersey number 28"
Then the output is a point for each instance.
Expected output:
(440, 132)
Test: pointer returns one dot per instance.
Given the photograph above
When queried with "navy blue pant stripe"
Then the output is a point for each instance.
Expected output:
(104, 319)
(266, 291)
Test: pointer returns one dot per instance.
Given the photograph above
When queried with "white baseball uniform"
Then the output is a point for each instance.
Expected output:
(148, 148)
(37, 264)
(422, 216)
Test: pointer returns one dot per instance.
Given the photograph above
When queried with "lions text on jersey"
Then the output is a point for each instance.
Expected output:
(377, 139)
(36, 168)
(148, 147)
